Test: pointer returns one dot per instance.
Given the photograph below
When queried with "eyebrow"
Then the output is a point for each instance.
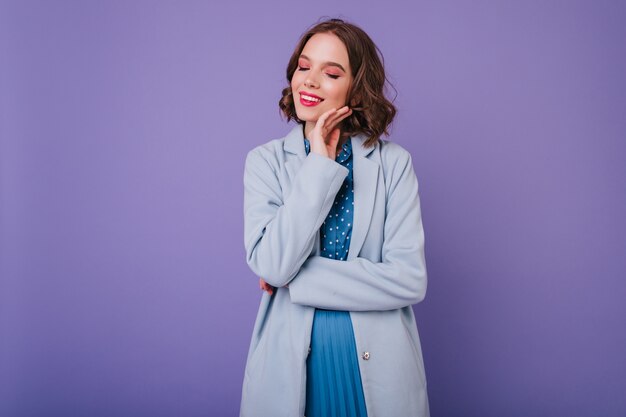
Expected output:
(334, 64)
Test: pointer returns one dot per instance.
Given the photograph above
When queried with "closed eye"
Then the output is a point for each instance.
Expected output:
(333, 76)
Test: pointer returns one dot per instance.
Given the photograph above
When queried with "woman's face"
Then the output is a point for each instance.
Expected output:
(323, 77)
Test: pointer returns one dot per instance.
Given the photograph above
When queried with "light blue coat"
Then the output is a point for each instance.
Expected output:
(287, 196)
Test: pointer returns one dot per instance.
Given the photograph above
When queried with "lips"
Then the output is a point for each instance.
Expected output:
(309, 99)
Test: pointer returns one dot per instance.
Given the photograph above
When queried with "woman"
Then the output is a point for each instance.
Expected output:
(334, 230)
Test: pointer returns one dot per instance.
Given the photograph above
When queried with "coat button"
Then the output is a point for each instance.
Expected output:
(366, 355)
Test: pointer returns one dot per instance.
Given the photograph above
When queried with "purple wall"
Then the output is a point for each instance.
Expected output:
(124, 289)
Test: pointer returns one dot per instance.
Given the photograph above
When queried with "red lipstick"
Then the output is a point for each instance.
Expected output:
(309, 103)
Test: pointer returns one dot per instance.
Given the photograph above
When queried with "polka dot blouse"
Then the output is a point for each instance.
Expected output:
(337, 228)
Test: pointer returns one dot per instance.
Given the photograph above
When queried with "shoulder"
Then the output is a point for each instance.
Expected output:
(266, 155)
(397, 166)
(268, 150)
(393, 155)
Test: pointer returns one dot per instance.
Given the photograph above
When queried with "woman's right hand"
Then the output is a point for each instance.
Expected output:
(325, 134)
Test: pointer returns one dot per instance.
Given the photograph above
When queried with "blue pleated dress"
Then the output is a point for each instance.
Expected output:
(334, 386)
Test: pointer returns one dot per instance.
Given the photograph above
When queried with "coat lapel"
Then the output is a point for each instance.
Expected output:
(365, 176)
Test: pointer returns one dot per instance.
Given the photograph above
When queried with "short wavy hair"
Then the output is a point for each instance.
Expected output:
(372, 112)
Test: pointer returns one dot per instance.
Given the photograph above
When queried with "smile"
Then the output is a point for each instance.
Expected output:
(306, 100)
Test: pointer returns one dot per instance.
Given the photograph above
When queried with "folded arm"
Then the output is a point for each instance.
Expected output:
(362, 285)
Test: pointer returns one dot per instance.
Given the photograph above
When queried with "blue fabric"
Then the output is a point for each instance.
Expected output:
(334, 386)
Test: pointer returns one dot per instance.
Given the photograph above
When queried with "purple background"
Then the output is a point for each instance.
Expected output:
(124, 127)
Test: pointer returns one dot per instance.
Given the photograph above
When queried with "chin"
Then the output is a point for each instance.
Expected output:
(308, 116)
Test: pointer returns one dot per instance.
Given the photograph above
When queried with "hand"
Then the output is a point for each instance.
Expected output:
(325, 134)
(265, 286)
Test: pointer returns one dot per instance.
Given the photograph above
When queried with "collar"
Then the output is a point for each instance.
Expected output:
(343, 156)
(295, 143)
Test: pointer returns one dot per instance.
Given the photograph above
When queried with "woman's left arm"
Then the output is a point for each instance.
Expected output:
(362, 285)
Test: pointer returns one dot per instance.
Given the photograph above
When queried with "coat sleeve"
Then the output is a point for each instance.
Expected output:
(362, 285)
(279, 236)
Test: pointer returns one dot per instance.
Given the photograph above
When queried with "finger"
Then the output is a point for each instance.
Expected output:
(325, 115)
(334, 136)
(264, 285)
(325, 125)
(332, 121)
(337, 113)
(321, 121)
(345, 111)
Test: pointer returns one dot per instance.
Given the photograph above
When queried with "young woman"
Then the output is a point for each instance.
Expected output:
(333, 228)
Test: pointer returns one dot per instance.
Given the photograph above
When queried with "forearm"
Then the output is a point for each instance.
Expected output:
(358, 284)
(278, 237)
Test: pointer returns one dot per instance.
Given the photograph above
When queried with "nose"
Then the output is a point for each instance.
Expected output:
(310, 82)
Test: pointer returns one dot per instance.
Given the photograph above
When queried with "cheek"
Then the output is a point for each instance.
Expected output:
(338, 92)
(296, 80)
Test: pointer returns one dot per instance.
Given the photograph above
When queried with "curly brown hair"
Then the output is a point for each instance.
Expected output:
(372, 112)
